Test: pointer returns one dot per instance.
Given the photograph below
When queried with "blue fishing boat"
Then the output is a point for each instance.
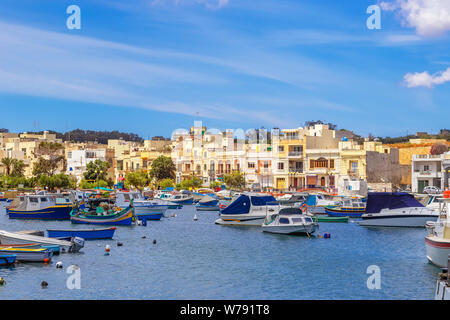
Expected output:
(7, 259)
(86, 234)
(353, 208)
(41, 207)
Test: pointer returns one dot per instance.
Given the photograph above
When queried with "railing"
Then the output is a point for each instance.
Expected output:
(295, 154)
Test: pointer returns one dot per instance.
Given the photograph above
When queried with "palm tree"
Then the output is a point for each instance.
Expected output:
(18, 168)
(7, 163)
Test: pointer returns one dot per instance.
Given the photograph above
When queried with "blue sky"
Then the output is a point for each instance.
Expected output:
(152, 66)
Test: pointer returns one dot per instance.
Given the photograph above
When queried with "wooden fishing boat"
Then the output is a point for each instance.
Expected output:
(7, 259)
(54, 248)
(13, 239)
(114, 216)
(29, 255)
(347, 208)
(41, 207)
(86, 234)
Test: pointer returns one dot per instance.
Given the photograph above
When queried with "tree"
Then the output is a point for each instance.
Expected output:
(138, 179)
(162, 168)
(214, 184)
(235, 180)
(50, 156)
(7, 163)
(438, 148)
(166, 183)
(96, 170)
(18, 168)
(57, 181)
(191, 183)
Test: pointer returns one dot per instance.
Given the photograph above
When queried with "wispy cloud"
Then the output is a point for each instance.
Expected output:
(211, 4)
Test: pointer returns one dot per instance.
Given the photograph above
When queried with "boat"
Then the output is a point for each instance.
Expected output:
(54, 248)
(12, 238)
(323, 218)
(7, 259)
(143, 209)
(207, 203)
(29, 255)
(42, 207)
(437, 241)
(442, 291)
(103, 214)
(289, 220)
(249, 209)
(349, 207)
(317, 202)
(164, 196)
(395, 209)
(86, 234)
(181, 199)
(293, 199)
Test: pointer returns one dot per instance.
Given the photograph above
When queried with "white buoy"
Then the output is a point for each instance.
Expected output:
(107, 248)
(195, 217)
(59, 265)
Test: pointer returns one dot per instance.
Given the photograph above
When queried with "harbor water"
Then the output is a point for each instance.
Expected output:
(201, 260)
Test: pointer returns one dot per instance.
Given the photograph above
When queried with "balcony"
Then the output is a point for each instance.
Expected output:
(428, 174)
(295, 154)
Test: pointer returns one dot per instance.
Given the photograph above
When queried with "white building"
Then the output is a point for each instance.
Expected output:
(77, 160)
(428, 170)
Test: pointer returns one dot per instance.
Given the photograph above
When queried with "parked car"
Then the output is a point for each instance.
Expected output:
(431, 190)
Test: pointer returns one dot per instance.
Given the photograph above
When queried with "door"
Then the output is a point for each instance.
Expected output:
(322, 181)
(422, 185)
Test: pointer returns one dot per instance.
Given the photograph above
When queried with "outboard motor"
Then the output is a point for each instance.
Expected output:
(77, 244)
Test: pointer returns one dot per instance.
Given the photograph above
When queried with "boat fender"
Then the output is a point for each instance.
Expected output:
(107, 248)
(2, 281)
(195, 217)
(44, 284)
(59, 265)
(139, 222)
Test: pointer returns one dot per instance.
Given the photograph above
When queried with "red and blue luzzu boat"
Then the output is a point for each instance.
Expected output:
(98, 215)
(41, 207)
(348, 208)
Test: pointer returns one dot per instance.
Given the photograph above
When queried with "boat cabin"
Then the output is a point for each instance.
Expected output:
(38, 202)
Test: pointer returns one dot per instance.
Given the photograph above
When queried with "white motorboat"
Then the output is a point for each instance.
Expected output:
(150, 209)
(249, 209)
(395, 209)
(12, 238)
(289, 221)
(437, 241)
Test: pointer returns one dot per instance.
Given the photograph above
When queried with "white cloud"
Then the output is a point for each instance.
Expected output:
(428, 17)
(424, 79)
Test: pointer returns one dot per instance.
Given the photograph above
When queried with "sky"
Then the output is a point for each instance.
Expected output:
(153, 66)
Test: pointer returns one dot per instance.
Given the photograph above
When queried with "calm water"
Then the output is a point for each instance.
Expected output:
(201, 260)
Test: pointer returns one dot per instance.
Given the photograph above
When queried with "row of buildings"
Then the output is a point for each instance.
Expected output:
(282, 159)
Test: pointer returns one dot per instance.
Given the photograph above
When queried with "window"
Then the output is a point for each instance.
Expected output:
(69, 154)
(280, 148)
(34, 200)
(266, 164)
(426, 168)
(331, 163)
(354, 166)
(284, 220)
(251, 165)
(43, 199)
(280, 166)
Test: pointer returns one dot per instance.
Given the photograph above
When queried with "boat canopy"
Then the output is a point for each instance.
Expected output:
(376, 201)
(242, 204)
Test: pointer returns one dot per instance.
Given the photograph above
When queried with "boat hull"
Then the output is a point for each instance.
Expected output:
(123, 218)
(290, 229)
(241, 220)
(87, 234)
(7, 259)
(49, 213)
(207, 208)
(29, 255)
(150, 216)
(344, 212)
(413, 221)
(438, 250)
